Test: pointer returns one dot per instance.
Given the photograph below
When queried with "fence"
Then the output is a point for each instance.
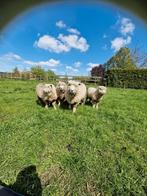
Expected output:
(56, 78)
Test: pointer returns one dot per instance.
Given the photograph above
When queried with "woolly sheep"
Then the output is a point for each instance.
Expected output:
(96, 94)
(75, 94)
(47, 94)
(61, 89)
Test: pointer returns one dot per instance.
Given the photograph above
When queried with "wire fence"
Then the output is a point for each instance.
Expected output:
(127, 80)
(56, 78)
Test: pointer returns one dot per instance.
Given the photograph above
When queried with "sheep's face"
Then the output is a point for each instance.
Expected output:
(72, 89)
(102, 90)
(61, 87)
(48, 89)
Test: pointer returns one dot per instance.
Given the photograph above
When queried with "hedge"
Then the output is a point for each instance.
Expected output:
(136, 78)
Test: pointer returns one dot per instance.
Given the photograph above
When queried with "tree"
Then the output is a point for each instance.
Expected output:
(16, 72)
(97, 71)
(139, 57)
(122, 59)
(50, 73)
(38, 71)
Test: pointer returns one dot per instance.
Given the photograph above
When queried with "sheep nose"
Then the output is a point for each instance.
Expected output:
(71, 90)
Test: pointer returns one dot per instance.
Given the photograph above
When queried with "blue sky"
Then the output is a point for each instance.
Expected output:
(69, 38)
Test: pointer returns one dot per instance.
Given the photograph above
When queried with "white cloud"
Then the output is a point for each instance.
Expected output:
(91, 65)
(61, 72)
(77, 64)
(74, 31)
(127, 27)
(60, 24)
(119, 42)
(53, 63)
(31, 63)
(12, 56)
(53, 69)
(73, 41)
(71, 70)
(10, 60)
(62, 43)
(51, 44)
(49, 63)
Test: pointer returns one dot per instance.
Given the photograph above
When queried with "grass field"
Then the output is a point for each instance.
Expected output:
(88, 153)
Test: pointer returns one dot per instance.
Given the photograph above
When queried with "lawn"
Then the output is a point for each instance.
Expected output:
(47, 152)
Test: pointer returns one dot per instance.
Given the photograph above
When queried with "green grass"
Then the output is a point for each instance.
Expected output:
(88, 153)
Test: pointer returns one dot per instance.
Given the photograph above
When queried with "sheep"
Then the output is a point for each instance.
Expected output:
(46, 93)
(75, 94)
(61, 89)
(96, 94)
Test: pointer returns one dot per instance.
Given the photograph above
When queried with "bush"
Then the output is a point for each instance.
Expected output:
(98, 71)
(136, 78)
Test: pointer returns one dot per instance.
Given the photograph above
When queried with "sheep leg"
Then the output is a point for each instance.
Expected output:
(97, 105)
(46, 105)
(74, 108)
(83, 101)
(93, 105)
(54, 105)
(69, 106)
(59, 103)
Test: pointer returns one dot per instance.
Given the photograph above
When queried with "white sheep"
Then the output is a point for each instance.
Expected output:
(46, 93)
(61, 89)
(75, 94)
(96, 94)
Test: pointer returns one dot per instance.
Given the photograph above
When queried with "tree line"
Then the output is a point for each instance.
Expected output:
(36, 71)
(124, 59)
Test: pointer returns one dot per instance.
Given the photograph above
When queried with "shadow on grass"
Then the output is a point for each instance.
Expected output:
(40, 102)
(64, 105)
(27, 183)
(88, 103)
